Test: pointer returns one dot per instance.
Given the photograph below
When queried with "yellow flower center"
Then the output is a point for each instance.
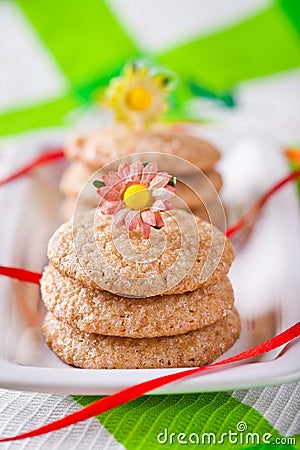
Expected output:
(137, 197)
(138, 99)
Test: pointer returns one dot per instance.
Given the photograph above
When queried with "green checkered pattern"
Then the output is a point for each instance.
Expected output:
(137, 425)
(90, 46)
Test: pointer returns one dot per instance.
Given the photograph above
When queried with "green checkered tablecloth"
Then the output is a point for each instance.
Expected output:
(55, 57)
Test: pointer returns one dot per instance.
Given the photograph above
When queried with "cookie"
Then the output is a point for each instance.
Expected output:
(184, 255)
(216, 215)
(94, 351)
(74, 178)
(108, 144)
(100, 312)
(195, 191)
(77, 174)
(66, 209)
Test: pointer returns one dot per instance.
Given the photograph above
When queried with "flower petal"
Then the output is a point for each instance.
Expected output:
(120, 215)
(170, 188)
(124, 171)
(132, 219)
(158, 220)
(109, 207)
(109, 193)
(136, 169)
(162, 194)
(160, 180)
(145, 229)
(159, 205)
(168, 205)
(111, 179)
(148, 216)
(149, 172)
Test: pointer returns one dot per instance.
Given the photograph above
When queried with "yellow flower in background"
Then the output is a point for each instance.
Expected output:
(138, 96)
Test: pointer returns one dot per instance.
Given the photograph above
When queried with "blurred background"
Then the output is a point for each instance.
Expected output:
(236, 61)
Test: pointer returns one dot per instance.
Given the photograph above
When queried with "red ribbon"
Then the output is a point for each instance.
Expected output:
(20, 274)
(133, 392)
(255, 209)
(47, 157)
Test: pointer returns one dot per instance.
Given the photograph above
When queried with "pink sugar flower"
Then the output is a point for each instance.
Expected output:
(136, 195)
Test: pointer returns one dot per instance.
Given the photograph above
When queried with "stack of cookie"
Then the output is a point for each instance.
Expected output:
(113, 304)
(91, 152)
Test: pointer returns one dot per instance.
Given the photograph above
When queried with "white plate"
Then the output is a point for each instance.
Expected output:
(264, 274)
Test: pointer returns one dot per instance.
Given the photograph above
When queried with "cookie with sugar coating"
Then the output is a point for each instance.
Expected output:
(94, 351)
(105, 145)
(100, 312)
(184, 255)
(208, 212)
(77, 174)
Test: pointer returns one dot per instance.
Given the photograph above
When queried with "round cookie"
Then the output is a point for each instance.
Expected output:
(112, 262)
(215, 217)
(74, 178)
(77, 174)
(100, 312)
(194, 198)
(104, 146)
(93, 351)
(66, 209)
